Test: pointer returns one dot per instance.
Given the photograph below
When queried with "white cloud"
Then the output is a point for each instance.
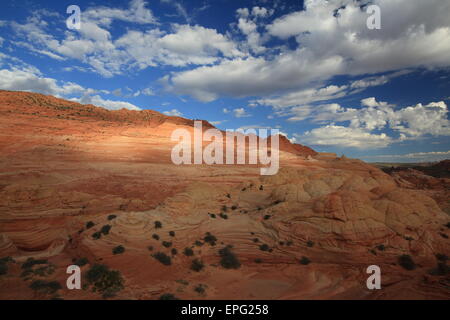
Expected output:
(414, 34)
(97, 100)
(333, 135)
(173, 112)
(409, 123)
(241, 113)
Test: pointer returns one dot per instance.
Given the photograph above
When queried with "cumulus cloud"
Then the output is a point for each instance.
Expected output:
(332, 39)
(94, 44)
(173, 112)
(333, 135)
(97, 100)
(241, 113)
(409, 123)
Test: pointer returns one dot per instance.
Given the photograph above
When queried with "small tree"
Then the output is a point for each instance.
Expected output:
(197, 265)
(118, 250)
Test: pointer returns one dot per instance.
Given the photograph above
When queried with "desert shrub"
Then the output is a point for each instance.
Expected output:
(188, 252)
(381, 247)
(163, 258)
(174, 251)
(406, 262)
(448, 225)
(168, 296)
(210, 239)
(167, 244)
(228, 259)
(224, 208)
(158, 225)
(258, 260)
(305, 261)
(200, 289)
(255, 240)
(228, 196)
(4, 265)
(105, 229)
(441, 270)
(44, 270)
(441, 257)
(212, 215)
(30, 263)
(264, 247)
(267, 217)
(104, 281)
(234, 207)
(3, 269)
(197, 265)
(310, 244)
(289, 243)
(172, 233)
(223, 216)
(97, 235)
(150, 248)
(155, 236)
(89, 225)
(112, 217)
(46, 287)
(198, 243)
(118, 250)
(443, 235)
(81, 262)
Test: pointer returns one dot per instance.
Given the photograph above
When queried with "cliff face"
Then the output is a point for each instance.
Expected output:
(64, 165)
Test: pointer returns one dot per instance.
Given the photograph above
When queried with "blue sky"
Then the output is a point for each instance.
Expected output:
(312, 69)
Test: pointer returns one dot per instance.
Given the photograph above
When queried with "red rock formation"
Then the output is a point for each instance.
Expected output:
(65, 164)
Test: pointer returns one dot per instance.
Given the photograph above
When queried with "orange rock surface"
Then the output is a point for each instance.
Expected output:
(64, 164)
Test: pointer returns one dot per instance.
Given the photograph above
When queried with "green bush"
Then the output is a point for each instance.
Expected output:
(112, 217)
(223, 216)
(267, 217)
(32, 262)
(104, 281)
(168, 296)
(198, 243)
(441, 257)
(167, 244)
(407, 262)
(264, 247)
(188, 252)
(163, 258)
(212, 215)
(97, 235)
(305, 261)
(228, 259)
(158, 225)
(197, 265)
(81, 262)
(118, 250)
(155, 236)
(89, 225)
(105, 229)
(172, 233)
(209, 238)
(46, 287)
(200, 289)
